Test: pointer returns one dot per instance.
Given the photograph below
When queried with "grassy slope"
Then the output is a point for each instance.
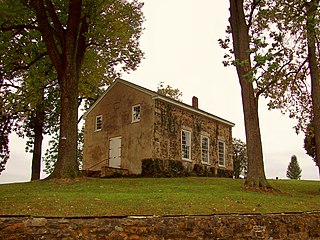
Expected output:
(146, 196)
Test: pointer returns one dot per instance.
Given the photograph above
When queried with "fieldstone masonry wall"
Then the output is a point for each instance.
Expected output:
(267, 226)
(168, 123)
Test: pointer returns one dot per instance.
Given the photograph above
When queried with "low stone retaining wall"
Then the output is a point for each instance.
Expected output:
(233, 226)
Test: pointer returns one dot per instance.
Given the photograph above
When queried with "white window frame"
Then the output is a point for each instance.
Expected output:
(221, 153)
(205, 151)
(135, 117)
(186, 147)
(98, 123)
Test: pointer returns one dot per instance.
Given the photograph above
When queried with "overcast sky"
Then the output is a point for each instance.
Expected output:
(181, 49)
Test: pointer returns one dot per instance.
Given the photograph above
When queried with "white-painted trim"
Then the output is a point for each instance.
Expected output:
(190, 145)
(208, 149)
(132, 112)
(224, 153)
(95, 124)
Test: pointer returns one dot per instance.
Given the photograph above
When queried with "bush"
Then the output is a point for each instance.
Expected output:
(225, 173)
(152, 168)
(203, 171)
(198, 170)
(175, 168)
(162, 168)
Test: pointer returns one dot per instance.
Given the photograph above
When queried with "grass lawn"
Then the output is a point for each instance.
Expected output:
(154, 196)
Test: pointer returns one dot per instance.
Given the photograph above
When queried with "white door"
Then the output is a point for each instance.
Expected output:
(115, 152)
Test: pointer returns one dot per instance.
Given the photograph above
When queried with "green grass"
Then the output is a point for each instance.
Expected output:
(154, 196)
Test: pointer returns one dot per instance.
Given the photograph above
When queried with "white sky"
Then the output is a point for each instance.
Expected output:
(181, 49)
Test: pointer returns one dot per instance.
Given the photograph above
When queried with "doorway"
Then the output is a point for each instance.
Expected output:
(115, 152)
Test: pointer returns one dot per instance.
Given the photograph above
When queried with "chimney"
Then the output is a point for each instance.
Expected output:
(195, 102)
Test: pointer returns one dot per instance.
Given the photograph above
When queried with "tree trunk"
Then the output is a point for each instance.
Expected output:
(236, 170)
(314, 73)
(255, 176)
(37, 145)
(66, 47)
(236, 166)
(67, 165)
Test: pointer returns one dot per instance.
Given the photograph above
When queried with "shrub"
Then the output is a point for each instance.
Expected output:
(175, 168)
(152, 168)
(198, 169)
(225, 173)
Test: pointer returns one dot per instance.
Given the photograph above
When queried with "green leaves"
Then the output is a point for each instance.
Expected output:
(28, 79)
(168, 91)
(240, 159)
(309, 142)
(278, 53)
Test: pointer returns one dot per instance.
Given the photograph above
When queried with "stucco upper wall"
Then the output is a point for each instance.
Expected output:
(116, 111)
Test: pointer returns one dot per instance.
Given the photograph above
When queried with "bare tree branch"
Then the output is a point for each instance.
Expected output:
(254, 5)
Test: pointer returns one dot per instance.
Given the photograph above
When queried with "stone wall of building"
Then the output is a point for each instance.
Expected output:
(170, 120)
(266, 226)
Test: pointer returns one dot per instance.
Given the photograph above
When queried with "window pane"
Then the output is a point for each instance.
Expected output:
(136, 110)
(221, 153)
(205, 149)
(98, 122)
(185, 144)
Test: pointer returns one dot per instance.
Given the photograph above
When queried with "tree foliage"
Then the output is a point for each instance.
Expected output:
(51, 154)
(309, 142)
(169, 91)
(279, 50)
(284, 55)
(240, 159)
(289, 68)
(5, 129)
(292, 72)
(87, 43)
(279, 66)
(294, 170)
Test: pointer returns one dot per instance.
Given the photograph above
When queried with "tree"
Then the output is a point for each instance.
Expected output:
(282, 36)
(294, 59)
(310, 144)
(281, 60)
(51, 155)
(80, 37)
(27, 79)
(6, 125)
(168, 91)
(313, 59)
(34, 111)
(35, 125)
(41, 116)
(240, 25)
(240, 159)
(294, 170)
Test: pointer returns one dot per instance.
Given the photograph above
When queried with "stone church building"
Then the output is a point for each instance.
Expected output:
(129, 123)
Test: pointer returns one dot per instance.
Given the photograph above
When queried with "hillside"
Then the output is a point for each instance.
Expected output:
(154, 196)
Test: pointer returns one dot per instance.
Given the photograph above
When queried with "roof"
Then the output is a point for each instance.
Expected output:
(156, 95)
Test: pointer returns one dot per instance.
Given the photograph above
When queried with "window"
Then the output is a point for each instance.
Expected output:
(186, 144)
(136, 110)
(204, 149)
(98, 123)
(221, 153)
